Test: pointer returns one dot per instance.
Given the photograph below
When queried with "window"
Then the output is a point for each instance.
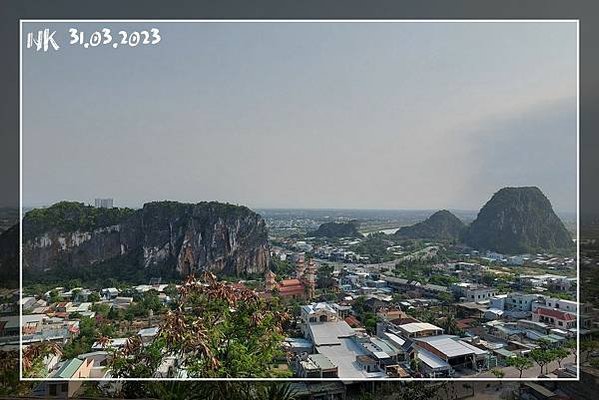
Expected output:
(65, 387)
(52, 389)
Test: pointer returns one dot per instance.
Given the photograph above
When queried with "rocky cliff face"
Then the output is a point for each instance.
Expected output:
(165, 236)
(518, 220)
(442, 225)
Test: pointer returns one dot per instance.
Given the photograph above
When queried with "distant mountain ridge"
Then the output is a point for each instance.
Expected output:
(518, 220)
(515, 220)
(337, 230)
(442, 225)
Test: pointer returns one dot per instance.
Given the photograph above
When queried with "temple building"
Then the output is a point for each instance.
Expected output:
(309, 279)
(301, 287)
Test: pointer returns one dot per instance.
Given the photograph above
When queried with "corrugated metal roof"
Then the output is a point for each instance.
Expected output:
(396, 340)
(432, 360)
(69, 368)
(450, 346)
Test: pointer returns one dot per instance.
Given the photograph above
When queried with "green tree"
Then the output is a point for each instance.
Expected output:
(171, 291)
(54, 297)
(276, 391)
(324, 277)
(369, 321)
(418, 390)
(544, 344)
(446, 298)
(101, 309)
(215, 390)
(415, 364)
(587, 346)
(151, 301)
(572, 346)
(520, 363)
(499, 373)
(559, 354)
(93, 297)
(541, 357)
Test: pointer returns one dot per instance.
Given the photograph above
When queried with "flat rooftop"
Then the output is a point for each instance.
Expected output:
(329, 333)
(414, 327)
(344, 356)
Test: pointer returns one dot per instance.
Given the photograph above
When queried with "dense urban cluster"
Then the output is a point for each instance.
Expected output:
(373, 305)
(473, 316)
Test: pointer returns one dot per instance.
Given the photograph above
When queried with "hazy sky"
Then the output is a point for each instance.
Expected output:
(338, 115)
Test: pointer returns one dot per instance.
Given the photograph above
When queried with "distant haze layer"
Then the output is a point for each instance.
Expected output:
(342, 115)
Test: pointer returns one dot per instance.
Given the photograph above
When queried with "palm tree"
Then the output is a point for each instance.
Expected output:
(276, 391)
(221, 390)
(450, 324)
(104, 341)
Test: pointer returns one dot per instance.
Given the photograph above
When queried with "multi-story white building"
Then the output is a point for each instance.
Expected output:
(520, 301)
(473, 292)
(498, 301)
(557, 304)
(104, 203)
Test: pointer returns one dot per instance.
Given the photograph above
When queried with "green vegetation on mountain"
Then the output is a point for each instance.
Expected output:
(519, 220)
(337, 230)
(166, 238)
(442, 225)
(70, 216)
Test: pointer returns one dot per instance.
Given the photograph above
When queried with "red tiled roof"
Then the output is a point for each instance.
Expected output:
(464, 323)
(557, 314)
(352, 321)
(290, 282)
(288, 290)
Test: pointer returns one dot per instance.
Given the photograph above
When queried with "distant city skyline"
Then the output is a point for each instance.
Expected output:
(306, 115)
